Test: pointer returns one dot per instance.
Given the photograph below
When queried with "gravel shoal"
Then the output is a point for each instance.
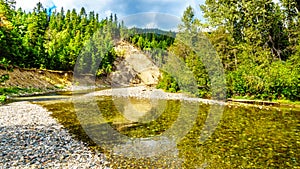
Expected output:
(150, 93)
(31, 138)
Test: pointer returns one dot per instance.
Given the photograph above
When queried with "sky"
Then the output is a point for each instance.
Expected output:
(127, 9)
(163, 14)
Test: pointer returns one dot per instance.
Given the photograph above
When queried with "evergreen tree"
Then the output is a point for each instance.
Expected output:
(8, 38)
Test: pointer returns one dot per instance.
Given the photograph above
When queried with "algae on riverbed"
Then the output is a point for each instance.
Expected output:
(246, 137)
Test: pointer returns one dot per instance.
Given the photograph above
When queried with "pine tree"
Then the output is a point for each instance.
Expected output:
(5, 31)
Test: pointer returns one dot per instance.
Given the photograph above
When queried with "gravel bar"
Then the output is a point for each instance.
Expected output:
(31, 138)
(150, 93)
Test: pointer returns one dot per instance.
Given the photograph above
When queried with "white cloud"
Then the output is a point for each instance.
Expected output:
(26, 5)
(120, 7)
(123, 8)
(152, 25)
(108, 12)
(152, 20)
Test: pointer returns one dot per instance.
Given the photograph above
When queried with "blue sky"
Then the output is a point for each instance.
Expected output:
(120, 7)
(163, 14)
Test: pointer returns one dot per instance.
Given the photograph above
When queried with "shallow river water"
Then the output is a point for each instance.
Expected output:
(144, 133)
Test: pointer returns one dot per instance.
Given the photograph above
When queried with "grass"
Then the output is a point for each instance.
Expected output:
(288, 102)
(8, 91)
(18, 90)
(2, 98)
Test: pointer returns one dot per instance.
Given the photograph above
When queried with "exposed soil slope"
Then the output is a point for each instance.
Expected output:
(35, 78)
(133, 67)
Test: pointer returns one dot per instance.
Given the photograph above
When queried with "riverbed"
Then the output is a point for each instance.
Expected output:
(145, 128)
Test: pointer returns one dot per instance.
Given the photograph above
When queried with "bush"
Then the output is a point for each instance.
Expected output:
(2, 98)
(277, 80)
(4, 78)
(168, 83)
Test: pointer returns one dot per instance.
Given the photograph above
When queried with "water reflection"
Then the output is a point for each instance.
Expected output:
(146, 147)
(139, 110)
(246, 137)
(151, 149)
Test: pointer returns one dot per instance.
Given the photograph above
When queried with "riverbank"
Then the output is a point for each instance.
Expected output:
(261, 103)
(35, 78)
(31, 138)
(32, 82)
(153, 93)
(29, 82)
(144, 92)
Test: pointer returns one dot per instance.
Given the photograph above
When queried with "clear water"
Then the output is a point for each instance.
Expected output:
(141, 133)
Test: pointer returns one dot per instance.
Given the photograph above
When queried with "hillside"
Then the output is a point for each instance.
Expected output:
(131, 67)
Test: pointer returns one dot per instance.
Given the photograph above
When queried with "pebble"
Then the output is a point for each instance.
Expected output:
(31, 138)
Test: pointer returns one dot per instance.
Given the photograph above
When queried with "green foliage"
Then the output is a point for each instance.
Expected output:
(257, 23)
(257, 42)
(255, 50)
(168, 83)
(6, 33)
(5, 63)
(36, 40)
(17, 90)
(4, 78)
(190, 49)
(147, 39)
(277, 81)
(2, 98)
(98, 53)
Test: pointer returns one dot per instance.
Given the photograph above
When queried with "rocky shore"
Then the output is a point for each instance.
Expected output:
(31, 138)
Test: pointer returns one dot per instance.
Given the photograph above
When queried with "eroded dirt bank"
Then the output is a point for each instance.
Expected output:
(36, 78)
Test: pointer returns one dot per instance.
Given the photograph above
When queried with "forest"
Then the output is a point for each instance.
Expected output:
(257, 41)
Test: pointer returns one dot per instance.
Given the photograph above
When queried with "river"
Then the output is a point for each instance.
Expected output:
(161, 133)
